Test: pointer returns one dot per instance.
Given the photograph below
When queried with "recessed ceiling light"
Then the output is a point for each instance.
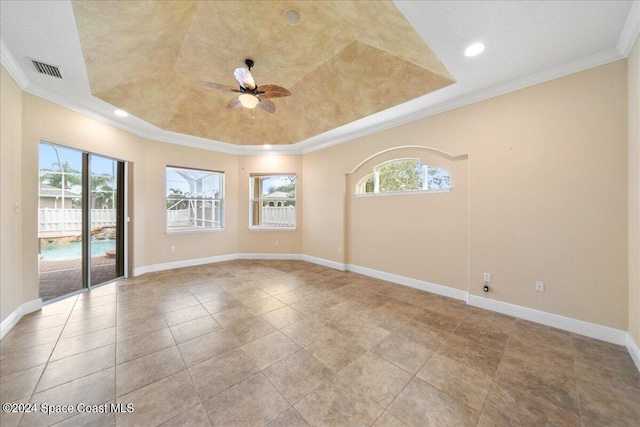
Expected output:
(267, 146)
(474, 49)
(291, 16)
(121, 113)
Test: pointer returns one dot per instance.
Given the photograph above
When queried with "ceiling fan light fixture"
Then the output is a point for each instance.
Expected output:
(248, 101)
(474, 49)
(245, 78)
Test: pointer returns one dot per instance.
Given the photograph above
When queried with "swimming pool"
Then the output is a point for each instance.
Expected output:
(74, 250)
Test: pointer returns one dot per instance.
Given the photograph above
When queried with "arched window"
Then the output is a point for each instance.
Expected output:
(401, 175)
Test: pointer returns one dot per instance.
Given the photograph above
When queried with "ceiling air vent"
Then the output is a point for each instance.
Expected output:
(49, 70)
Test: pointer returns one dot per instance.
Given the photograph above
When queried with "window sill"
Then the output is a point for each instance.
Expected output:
(402, 193)
(267, 228)
(194, 230)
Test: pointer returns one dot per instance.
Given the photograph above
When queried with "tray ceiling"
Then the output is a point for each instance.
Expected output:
(148, 58)
(341, 62)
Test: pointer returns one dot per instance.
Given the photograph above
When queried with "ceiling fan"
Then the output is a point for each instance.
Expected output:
(250, 94)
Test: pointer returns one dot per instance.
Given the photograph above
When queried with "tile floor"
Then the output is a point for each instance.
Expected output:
(288, 343)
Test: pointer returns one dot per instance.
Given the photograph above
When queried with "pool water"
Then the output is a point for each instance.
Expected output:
(74, 250)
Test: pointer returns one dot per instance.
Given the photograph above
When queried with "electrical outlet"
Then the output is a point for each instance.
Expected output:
(277, 242)
(539, 286)
(339, 249)
(173, 248)
(487, 277)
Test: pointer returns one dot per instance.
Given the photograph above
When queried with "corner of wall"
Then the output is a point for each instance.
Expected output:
(633, 88)
(12, 319)
(11, 205)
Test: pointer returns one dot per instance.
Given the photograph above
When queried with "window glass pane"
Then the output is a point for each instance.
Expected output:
(404, 175)
(60, 217)
(194, 198)
(273, 201)
(103, 218)
(369, 184)
(438, 179)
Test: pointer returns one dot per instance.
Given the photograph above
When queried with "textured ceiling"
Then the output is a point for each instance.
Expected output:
(528, 42)
(343, 61)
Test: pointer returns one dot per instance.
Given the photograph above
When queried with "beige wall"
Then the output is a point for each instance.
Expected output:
(42, 120)
(10, 188)
(264, 241)
(45, 121)
(421, 235)
(634, 192)
(27, 120)
(323, 235)
(546, 185)
(188, 246)
(547, 193)
(548, 196)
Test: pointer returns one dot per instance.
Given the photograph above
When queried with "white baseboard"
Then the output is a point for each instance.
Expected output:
(634, 350)
(604, 333)
(13, 318)
(592, 330)
(408, 281)
(269, 256)
(210, 260)
(185, 263)
(325, 262)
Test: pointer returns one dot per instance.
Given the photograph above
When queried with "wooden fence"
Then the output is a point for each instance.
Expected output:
(278, 216)
(70, 220)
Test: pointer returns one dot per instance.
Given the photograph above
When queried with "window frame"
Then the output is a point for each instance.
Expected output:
(260, 200)
(360, 187)
(216, 200)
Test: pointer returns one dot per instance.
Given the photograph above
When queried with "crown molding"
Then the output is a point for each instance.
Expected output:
(369, 125)
(602, 58)
(631, 30)
(10, 64)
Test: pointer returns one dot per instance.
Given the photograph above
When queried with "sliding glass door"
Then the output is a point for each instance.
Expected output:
(81, 220)
(60, 221)
(105, 218)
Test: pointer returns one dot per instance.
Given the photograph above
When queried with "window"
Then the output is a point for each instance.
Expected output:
(194, 199)
(402, 175)
(273, 201)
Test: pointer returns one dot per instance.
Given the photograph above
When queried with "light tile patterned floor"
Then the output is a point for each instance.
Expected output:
(288, 343)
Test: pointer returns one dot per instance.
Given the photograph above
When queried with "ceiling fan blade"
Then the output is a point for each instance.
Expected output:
(220, 86)
(234, 103)
(267, 105)
(272, 91)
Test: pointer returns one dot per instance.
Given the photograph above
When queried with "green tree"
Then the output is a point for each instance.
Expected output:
(54, 176)
(438, 178)
(403, 175)
(176, 199)
(289, 187)
(101, 192)
(369, 185)
(103, 199)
